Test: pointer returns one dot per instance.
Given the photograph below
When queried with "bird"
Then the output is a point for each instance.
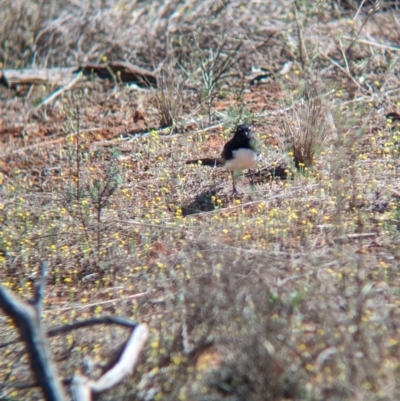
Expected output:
(239, 153)
(393, 116)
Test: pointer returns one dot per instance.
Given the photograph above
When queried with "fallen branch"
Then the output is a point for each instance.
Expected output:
(90, 322)
(118, 71)
(133, 296)
(122, 72)
(127, 361)
(82, 387)
(48, 76)
(26, 316)
(344, 70)
(374, 44)
(59, 91)
(64, 329)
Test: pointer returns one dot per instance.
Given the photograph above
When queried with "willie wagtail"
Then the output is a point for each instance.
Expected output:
(239, 153)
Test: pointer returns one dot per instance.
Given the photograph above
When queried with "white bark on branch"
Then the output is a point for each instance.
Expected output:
(27, 319)
(82, 387)
(127, 361)
(49, 76)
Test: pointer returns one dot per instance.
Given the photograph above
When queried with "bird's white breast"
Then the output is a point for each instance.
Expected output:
(242, 159)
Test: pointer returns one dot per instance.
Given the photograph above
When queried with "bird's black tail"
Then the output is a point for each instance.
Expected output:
(207, 162)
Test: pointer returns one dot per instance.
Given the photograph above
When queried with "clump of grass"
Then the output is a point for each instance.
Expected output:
(168, 97)
(305, 127)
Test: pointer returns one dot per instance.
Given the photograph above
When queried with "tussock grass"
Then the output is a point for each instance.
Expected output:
(306, 128)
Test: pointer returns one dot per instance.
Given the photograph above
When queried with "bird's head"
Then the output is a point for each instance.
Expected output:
(244, 130)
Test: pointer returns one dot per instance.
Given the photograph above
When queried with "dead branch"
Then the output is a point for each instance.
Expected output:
(344, 70)
(64, 77)
(26, 317)
(127, 361)
(122, 72)
(64, 329)
(90, 322)
(393, 48)
(82, 387)
(28, 322)
(371, 13)
(49, 76)
(17, 385)
(133, 296)
(59, 91)
(38, 298)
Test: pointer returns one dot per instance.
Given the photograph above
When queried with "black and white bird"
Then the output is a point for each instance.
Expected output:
(239, 153)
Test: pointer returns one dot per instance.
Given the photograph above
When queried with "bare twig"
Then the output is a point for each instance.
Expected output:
(80, 324)
(141, 294)
(83, 387)
(361, 28)
(38, 298)
(90, 322)
(302, 47)
(27, 320)
(54, 76)
(347, 73)
(18, 385)
(359, 9)
(58, 92)
(375, 44)
(347, 53)
(127, 361)
(138, 223)
(80, 388)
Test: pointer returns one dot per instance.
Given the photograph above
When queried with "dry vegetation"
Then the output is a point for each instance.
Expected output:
(288, 291)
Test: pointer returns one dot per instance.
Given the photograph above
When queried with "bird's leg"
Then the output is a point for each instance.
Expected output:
(233, 183)
(251, 177)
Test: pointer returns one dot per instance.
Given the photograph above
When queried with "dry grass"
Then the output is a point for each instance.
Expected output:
(289, 291)
(306, 128)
